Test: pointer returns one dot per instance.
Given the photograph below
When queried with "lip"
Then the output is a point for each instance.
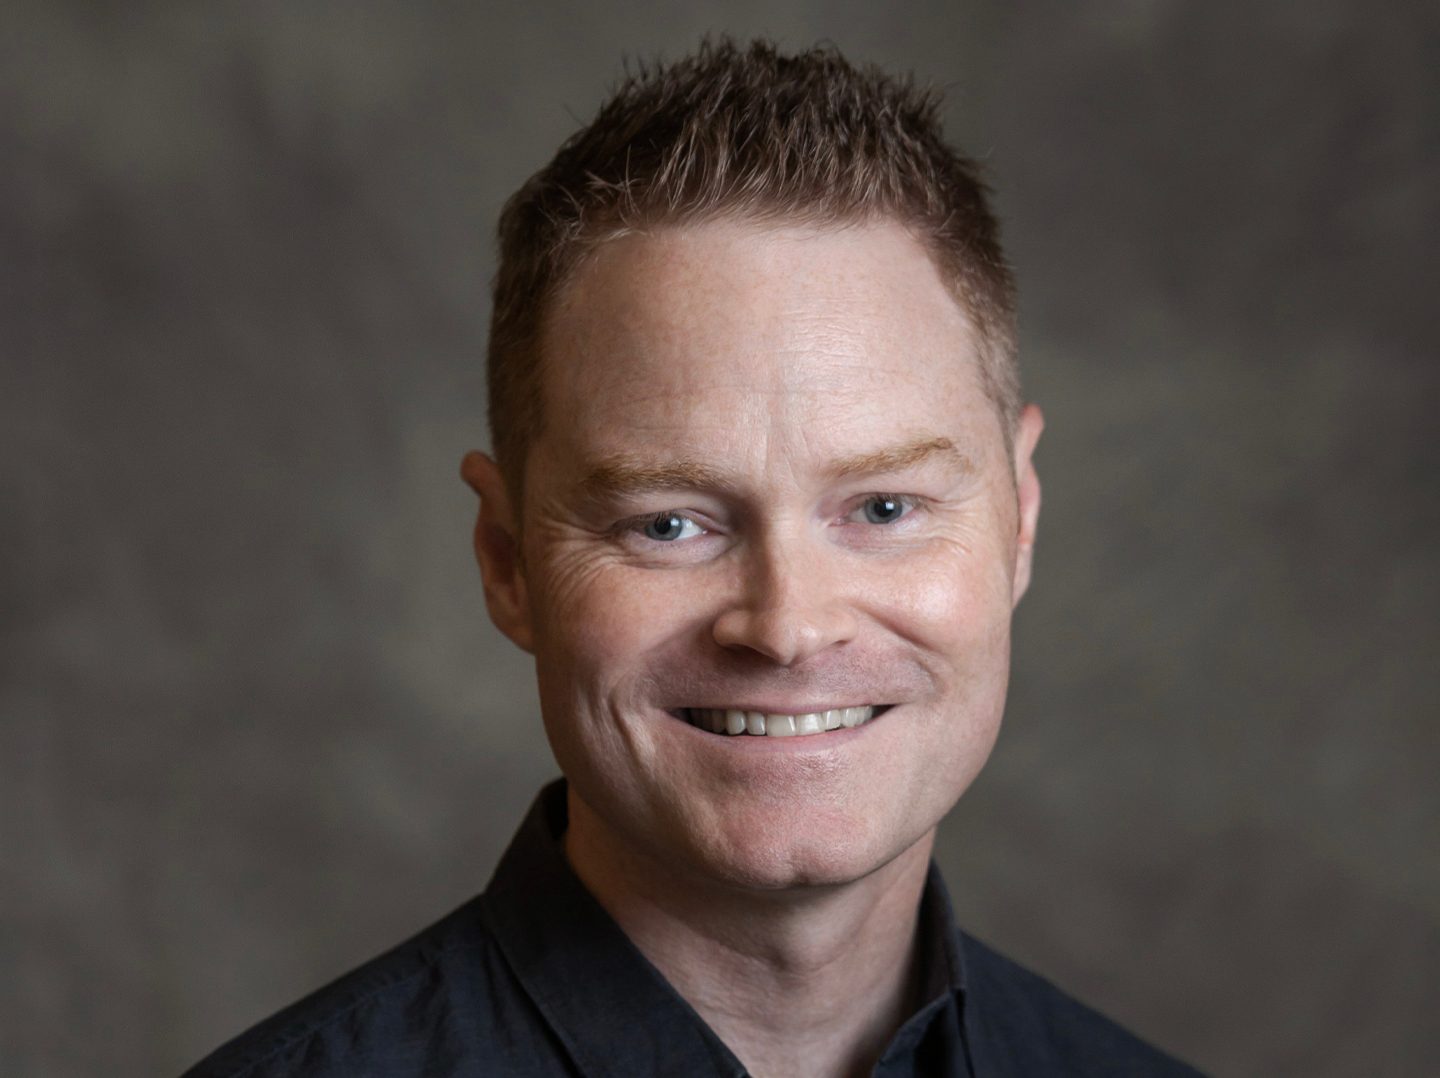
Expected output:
(817, 746)
(813, 743)
(781, 709)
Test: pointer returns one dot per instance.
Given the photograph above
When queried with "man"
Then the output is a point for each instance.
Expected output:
(761, 504)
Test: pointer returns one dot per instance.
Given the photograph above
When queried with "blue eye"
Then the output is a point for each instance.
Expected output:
(884, 509)
(668, 527)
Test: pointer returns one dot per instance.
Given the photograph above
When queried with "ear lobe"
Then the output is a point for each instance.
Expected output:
(497, 550)
(1027, 490)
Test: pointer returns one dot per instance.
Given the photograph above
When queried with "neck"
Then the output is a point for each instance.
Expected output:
(809, 980)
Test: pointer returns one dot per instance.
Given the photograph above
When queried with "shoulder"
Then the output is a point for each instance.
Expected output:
(1023, 1024)
(444, 993)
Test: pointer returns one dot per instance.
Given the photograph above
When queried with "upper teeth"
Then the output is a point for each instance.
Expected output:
(733, 721)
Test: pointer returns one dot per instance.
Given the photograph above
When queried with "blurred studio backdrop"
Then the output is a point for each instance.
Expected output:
(255, 726)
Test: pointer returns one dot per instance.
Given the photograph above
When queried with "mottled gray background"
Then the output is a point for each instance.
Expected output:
(255, 726)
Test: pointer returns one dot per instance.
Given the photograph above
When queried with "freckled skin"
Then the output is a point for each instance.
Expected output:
(765, 353)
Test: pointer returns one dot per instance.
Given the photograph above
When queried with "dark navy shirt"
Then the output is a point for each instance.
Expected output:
(534, 978)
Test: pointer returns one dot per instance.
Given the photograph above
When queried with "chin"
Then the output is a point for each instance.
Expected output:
(771, 858)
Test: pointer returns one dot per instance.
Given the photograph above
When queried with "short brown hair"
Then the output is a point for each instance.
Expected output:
(743, 132)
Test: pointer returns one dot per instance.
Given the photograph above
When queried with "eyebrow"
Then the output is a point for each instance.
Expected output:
(899, 458)
(617, 477)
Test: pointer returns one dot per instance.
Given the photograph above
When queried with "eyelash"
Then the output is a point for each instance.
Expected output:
(635, 526)
(908, 502)
(641, 523)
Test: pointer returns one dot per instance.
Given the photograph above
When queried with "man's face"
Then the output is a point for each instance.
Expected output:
(769, 482)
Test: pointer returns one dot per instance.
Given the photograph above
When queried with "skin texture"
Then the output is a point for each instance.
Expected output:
(761, 391)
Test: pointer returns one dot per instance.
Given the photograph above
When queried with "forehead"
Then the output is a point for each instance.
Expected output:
(767, 330)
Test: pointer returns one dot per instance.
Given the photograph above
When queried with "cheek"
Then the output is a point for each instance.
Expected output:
(951, 603)
(588, 641)
(956, 615)
(598, 623)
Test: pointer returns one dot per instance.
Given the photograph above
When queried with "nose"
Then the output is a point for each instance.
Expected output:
(790, 607)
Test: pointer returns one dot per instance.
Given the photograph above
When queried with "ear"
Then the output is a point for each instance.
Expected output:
(1027, 490)
(497, 550)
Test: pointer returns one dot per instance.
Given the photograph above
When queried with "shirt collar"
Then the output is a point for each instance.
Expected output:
(942, 980)
(629, 1020)
(612, 1009)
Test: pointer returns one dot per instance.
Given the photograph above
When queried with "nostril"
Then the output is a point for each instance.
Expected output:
(786, 636)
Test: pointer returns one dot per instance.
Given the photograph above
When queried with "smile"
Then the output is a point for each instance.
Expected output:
(732, 721)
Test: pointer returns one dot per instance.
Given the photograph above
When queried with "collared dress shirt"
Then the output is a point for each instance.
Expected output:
(534, 978)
